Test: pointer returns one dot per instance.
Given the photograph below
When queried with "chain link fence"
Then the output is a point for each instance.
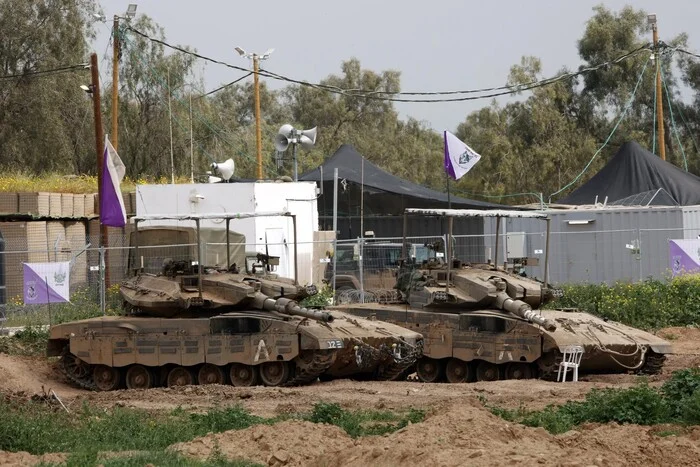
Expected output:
(367, 265)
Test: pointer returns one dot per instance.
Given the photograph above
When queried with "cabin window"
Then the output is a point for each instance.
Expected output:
(235, 325)
(482, 323)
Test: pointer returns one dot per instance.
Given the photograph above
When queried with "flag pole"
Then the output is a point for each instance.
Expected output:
(449, 199)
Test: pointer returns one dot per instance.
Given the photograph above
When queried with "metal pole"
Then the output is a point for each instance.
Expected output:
(101, 259)
(335, 223)
(498, 233)
(228, 244)
(136, 246)
(199, 258)
(192, 146)
(546, 254)
(403, 243)
(100, 146)
(448, 252)
(115, 83)
(296, 264)
(258, 131)
(294, 149)
(170, 116)
(659, 100)
(362, 229)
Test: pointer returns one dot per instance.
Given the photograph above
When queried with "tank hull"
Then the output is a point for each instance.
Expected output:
(239, 348)
(512, 347)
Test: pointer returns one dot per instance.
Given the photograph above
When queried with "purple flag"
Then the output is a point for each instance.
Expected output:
(684, 256)
(46, 282)
(459, 158)
(112, 211)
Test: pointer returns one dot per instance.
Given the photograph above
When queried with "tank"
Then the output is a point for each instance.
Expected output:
(194, 324)
(483, 322)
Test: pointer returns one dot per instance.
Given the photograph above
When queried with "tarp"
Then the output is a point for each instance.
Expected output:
(632, 171)
(349, 164)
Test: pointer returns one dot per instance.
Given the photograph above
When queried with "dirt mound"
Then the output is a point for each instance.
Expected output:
(31, 374)
(24, 458)
(292, 443)
(470, 434)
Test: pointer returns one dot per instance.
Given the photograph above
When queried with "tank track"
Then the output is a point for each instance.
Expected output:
(397, 366)
(85, 382)
(653, 364)
(309, 371)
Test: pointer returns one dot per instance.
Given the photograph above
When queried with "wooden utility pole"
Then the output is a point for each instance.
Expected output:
(115, 84)
(659, 96)
(258, 130)
(100, 148)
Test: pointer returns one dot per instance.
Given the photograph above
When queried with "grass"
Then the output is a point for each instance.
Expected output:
(676, 402)
(20, 182)
(31, 426)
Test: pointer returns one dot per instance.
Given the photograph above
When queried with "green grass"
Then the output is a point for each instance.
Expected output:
(162, 458)
(33, 427)
(676, 402)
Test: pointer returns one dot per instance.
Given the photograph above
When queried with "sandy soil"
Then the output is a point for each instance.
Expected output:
(458, 430)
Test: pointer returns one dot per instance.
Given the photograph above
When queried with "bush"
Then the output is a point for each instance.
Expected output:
(678, 401)
(648, 305)
(363, 422)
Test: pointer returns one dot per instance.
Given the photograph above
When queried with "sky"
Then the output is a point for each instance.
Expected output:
(439, 45)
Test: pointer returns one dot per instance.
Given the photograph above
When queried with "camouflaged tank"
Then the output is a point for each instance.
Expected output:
(188, 324)
(484, 323)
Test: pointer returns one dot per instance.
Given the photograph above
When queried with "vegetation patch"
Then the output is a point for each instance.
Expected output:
(676, 402)
(138, 437)
(648, 305)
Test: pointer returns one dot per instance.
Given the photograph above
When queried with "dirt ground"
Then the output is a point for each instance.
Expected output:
(457, 430)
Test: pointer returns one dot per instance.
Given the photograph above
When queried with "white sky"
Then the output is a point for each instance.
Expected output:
(438, 45)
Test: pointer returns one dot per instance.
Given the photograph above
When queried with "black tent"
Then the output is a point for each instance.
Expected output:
(635, 175)
(380, 208)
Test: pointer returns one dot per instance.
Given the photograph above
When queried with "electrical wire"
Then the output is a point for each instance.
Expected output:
(53, 71)
(673, 121)
(380, 95)
(224, 86)
(622, 116)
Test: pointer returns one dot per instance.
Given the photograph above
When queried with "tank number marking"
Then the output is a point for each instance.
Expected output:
(334, 344)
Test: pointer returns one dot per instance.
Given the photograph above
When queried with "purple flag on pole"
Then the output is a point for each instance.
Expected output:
(684, 256)
(46, 283)
(112, 211)
(459, 158)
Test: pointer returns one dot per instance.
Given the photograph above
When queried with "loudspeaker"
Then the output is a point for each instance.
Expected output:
(284, 137)
(307, 138)
(224, 168)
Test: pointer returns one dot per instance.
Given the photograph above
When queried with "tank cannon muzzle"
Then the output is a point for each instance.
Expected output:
(288, 306)
(523, 310)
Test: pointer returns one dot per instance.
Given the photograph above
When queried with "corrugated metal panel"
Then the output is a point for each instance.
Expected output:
(691, 222)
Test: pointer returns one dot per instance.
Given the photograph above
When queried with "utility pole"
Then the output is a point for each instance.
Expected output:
(258, 130)
(100, 148)
(256, 84)
(659, 100)
(115, 84)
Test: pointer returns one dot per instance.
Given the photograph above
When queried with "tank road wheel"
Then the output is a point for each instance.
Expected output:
(210, 374)
(274, 373)
(519, 371)
(75, 367)
(139, 377)
(429, 370)
(486, 371)
(106, 378)
(244, 375)
(180, 376)
(458, 371)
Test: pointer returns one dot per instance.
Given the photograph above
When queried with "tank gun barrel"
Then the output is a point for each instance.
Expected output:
(522, 309)
(288, 306)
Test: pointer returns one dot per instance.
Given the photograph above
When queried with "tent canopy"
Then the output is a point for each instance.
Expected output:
(349, 164)
(635, 171)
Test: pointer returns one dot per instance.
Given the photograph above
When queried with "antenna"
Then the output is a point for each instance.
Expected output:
(287, 135)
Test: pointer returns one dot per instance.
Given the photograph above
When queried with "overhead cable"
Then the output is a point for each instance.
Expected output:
(386, 95)
(52, 71)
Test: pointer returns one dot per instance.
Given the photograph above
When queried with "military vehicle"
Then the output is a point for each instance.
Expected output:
(485, 322)
(192, 323)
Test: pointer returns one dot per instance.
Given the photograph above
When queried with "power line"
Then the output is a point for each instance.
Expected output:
(617, 124)
(385, 95)
(52, 71)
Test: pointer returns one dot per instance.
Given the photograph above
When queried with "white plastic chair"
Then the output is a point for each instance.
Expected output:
(571, 360)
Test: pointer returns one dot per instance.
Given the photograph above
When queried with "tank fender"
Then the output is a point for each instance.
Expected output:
(661, 348)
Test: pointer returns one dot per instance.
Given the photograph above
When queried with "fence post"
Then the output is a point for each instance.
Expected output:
(639, 253)
(362, 260)
(103, 298)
